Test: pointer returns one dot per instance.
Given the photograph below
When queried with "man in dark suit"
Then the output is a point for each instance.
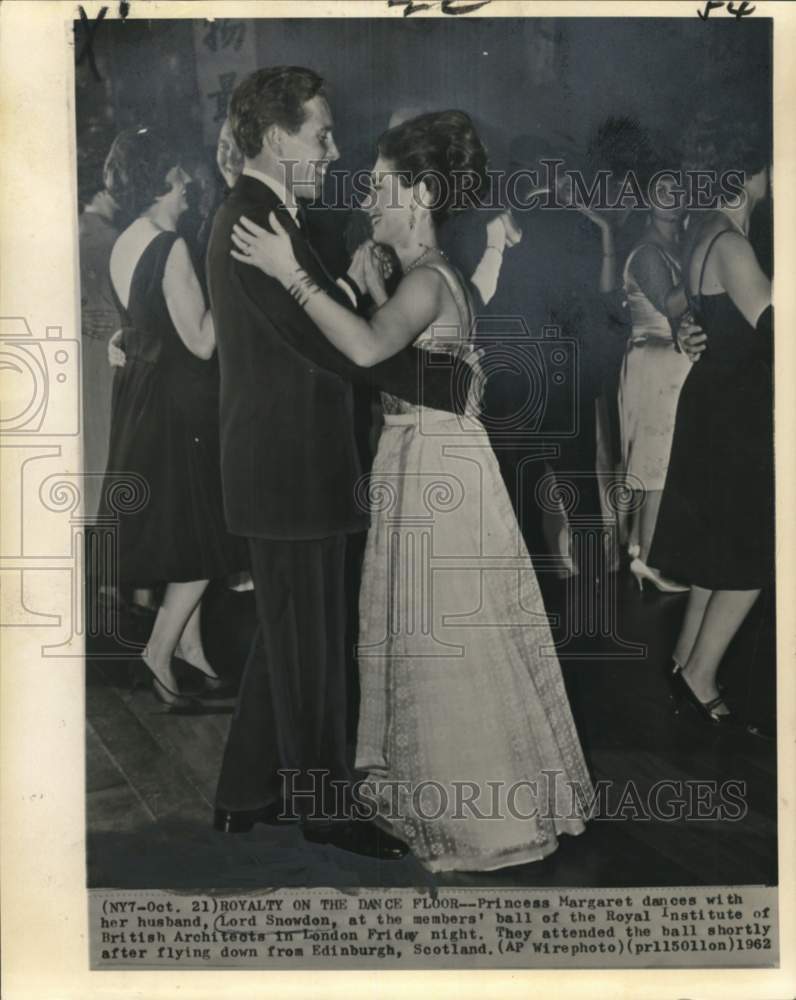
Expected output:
(290, 468)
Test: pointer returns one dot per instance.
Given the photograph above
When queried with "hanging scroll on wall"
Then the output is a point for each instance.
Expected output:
(225, 54)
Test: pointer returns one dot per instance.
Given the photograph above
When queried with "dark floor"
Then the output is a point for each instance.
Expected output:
(151, 776)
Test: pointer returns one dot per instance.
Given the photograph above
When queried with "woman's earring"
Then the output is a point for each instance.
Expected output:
(412, 220)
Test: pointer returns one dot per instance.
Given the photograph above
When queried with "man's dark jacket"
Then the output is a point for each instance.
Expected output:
(289, 458)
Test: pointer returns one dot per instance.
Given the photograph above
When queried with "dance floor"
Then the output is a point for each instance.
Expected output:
(151, 775)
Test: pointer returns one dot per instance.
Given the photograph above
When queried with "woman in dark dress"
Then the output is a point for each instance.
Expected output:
(164, 422)
(716, 523)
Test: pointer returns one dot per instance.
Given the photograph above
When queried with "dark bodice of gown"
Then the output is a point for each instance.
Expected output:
(733, 343)
(150, 337)
(444, 338)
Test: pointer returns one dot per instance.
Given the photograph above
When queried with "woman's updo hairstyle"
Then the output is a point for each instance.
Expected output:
(442, 149)
(136, 169)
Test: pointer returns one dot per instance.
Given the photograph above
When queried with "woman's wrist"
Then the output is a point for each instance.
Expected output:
(288, 276)
(496, 235)
(300, 286)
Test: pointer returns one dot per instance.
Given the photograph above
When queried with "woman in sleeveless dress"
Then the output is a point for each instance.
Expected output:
(164, 419)
(653, 371)
(465, 729)
(716, 522)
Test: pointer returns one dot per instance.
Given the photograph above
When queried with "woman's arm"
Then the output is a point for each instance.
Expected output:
(609, 271)
(413, 307)
(676, 303)
(742, 277)
(655, 280)
(394, 325)
(502, 233)
(116, 356)
(186, 303)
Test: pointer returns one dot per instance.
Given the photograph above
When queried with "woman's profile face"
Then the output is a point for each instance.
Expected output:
(669, 201)
(178, 180)
(757, 184)
(389, 204)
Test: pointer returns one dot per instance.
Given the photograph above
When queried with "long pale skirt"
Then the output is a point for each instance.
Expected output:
(465, 727)
(652, 377)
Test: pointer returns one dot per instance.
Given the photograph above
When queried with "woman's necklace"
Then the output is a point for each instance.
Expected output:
(419, 260)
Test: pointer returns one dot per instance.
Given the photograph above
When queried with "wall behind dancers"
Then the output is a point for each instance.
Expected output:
(564, 74)
(557, 77)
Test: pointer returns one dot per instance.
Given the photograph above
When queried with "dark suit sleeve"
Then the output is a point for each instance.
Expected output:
(463, 239)
(415, 375)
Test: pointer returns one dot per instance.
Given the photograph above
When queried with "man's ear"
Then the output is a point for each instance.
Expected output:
(273, 137)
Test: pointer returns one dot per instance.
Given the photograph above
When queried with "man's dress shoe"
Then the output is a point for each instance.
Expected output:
(242, 820)
(357, 837)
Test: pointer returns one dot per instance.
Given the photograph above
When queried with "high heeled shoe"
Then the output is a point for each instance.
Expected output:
(682, 693)
(214, 685)
(675, 668)
(217, 687)
(642, 572)
(178, 704)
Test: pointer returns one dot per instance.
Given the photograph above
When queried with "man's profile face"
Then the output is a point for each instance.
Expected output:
(228, 157)
(306, 154)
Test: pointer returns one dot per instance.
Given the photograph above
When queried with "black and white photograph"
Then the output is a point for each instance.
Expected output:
(425, 551)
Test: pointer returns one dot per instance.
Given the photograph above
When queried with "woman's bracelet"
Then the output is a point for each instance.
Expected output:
(491, 246)
(302, 287)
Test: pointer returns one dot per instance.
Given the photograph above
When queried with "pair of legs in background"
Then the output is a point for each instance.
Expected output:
(712, 619)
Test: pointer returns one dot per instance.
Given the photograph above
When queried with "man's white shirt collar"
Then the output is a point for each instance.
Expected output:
(279, 190)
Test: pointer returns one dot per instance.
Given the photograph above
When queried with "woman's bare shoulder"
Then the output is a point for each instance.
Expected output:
(424, 281)
(126, 253)
(702, 246)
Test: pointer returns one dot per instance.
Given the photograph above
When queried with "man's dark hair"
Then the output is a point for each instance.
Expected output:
(274, 96)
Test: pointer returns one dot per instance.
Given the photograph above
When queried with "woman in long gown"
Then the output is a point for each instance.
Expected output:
(716, 522)
(164, 420)
(463, 708)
